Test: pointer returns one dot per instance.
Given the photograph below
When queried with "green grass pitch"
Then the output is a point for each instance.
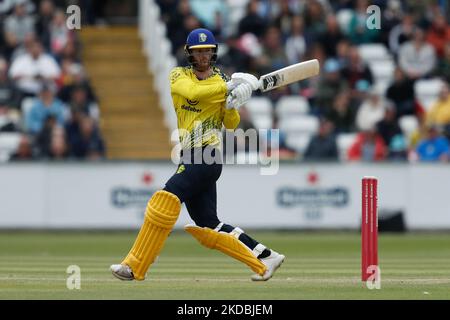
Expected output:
(319, 265)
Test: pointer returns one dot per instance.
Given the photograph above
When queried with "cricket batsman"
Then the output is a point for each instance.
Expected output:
(204, 99)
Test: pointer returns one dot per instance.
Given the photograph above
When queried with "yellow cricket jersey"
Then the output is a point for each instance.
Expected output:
(200, 107)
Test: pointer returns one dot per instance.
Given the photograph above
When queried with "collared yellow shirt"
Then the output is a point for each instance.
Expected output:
(200, 107)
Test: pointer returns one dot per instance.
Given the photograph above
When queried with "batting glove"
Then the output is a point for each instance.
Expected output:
(240, 77)
(239, 96)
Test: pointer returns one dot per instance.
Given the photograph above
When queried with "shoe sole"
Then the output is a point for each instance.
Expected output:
(274, 270)
(120, 277)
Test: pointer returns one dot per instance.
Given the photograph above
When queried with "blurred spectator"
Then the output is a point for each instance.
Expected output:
(370, 111)
(167, 10)
(358, 31)
(252, 22)
(283, 20)
(322, 146)
(9, 95)
(368, 147)
(24, 47)
(272, 58)
(189, 23)
(24, 151)
(391, 16)
(332, 36)
(392, 135)
(434, 147)
(341, 4)
(443, 67)
(208, 12)
(84, 137)
(401, 93)
(69, 51)
(60, 35)
(308, 87)
(388, 127)
(44, 136)
(295, 42)
(79, 101)
(420, 133)
(46, 104)
(68, 69)
(17, 25)
(329, 86)
(9, 119)
(343, 52)
(44, 19)
(76, 78)
(176, 23)
(439, 34)
(356, 70)
(341, 114)
(401, 33)
(439, 114)
(31, 69)
(59, 149)
(398, 148)
(416, 57)
(315, 18)
(237, 58)
(218, 26)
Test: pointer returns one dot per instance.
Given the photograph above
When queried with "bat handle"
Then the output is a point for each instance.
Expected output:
(260, 84)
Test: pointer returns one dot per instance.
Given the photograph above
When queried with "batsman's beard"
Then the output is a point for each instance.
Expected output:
(202, 65)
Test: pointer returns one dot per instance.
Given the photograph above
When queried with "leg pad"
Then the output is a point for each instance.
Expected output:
(161, 214)
(228, 244)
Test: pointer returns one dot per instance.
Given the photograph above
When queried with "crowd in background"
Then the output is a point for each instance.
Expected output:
(44, 90)
(274, 34)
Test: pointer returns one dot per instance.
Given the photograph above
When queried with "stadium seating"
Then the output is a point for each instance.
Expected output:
(374, 52)
(408, 124)
(383, 70)
(259, 106)
(427, 91)
(262, 121)
(301, 124)
(9, 143)
(298, 141)
(344, 142)
(289, 106)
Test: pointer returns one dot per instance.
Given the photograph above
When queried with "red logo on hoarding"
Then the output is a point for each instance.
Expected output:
(147, 178)
(313, 178)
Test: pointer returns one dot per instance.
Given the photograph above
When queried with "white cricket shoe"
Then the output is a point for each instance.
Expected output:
(272, 262)
(122, 272)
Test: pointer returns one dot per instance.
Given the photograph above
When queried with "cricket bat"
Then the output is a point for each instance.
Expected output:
(290, 74)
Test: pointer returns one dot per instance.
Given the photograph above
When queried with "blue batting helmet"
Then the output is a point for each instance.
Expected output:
(200, 39)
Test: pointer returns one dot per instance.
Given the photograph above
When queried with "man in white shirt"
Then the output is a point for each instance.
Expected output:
(417, 58)
(31, 69)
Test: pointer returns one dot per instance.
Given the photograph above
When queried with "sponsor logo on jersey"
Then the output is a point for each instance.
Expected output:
(192, 102)
(192, 109)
